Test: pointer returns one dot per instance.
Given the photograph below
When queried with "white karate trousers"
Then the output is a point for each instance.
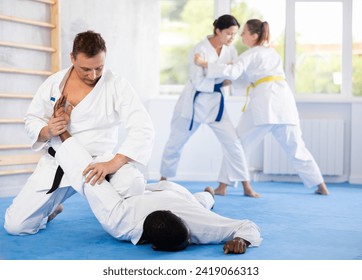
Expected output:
(290, 139)
(234, 163)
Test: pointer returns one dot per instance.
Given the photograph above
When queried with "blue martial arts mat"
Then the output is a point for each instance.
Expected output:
(295, 225)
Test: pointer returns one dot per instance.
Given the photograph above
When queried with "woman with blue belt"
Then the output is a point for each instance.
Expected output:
(202, 102)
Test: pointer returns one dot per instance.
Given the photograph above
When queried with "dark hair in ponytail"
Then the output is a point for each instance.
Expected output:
(261, 28)
(224, 22)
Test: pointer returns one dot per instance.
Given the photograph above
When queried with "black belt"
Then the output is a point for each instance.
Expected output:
(58, 174)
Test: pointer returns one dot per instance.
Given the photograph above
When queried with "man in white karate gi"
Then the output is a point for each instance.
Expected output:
(167, 215)
(100, 103)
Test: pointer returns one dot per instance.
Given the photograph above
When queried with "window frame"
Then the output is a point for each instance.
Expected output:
(290, 51)
(223, 7)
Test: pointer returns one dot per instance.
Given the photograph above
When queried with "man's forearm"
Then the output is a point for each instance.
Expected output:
(44, 134)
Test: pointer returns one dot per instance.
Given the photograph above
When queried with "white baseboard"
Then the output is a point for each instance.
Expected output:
(295, 178)
(355, 179)
(206, 177)
(255, 176)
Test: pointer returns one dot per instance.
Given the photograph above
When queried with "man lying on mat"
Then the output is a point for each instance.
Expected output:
(167, 215)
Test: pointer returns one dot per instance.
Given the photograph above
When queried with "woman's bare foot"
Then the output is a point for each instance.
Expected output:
(252, 194)
(248, 190)
(221, 189)
(57, 211)
(322, 189)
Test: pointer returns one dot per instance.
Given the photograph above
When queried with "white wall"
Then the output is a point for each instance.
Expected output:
(202, 154)
(130, 29)
(356, 143)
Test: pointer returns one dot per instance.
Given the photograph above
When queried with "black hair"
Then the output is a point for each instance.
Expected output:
(165, 231)
(90, 43)
(224, 22)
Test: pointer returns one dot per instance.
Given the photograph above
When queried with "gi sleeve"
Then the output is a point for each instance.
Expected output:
(198, 77)
(232, 71)
(226, 71)
(208, 227)
(38, 114)
(249, 231)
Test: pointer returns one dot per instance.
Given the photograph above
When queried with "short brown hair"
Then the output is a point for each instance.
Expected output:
(90, 43)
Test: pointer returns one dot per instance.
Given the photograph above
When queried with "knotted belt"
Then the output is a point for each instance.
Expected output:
(217, 88)
(258, 82)
(58, 174)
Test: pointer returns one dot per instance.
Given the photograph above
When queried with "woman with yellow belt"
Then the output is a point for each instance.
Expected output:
(272, 106)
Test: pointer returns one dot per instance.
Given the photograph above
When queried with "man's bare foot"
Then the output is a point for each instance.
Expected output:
(322, 189)
(210, 190)
(221, 189)
(248, 190)
(163, 179)
(57, 211)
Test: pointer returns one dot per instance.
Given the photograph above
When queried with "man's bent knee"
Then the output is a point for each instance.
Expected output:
(128, 181)
(13, 228)
(19, 227)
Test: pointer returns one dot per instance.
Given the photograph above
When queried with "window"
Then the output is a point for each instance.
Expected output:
(318, 42)
(244, 10)
(183, 24)
(357, 49)
(314, 38)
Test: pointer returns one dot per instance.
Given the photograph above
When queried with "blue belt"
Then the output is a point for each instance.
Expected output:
(217, 88)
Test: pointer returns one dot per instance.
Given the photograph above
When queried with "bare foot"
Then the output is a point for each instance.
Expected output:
(322, 189)
(210, 190)
(221, 189)
(163, 179)
(252, 194)
(248, 190)
(57, 211)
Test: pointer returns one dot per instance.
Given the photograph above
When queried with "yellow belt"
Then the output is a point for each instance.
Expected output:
(258, 82)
